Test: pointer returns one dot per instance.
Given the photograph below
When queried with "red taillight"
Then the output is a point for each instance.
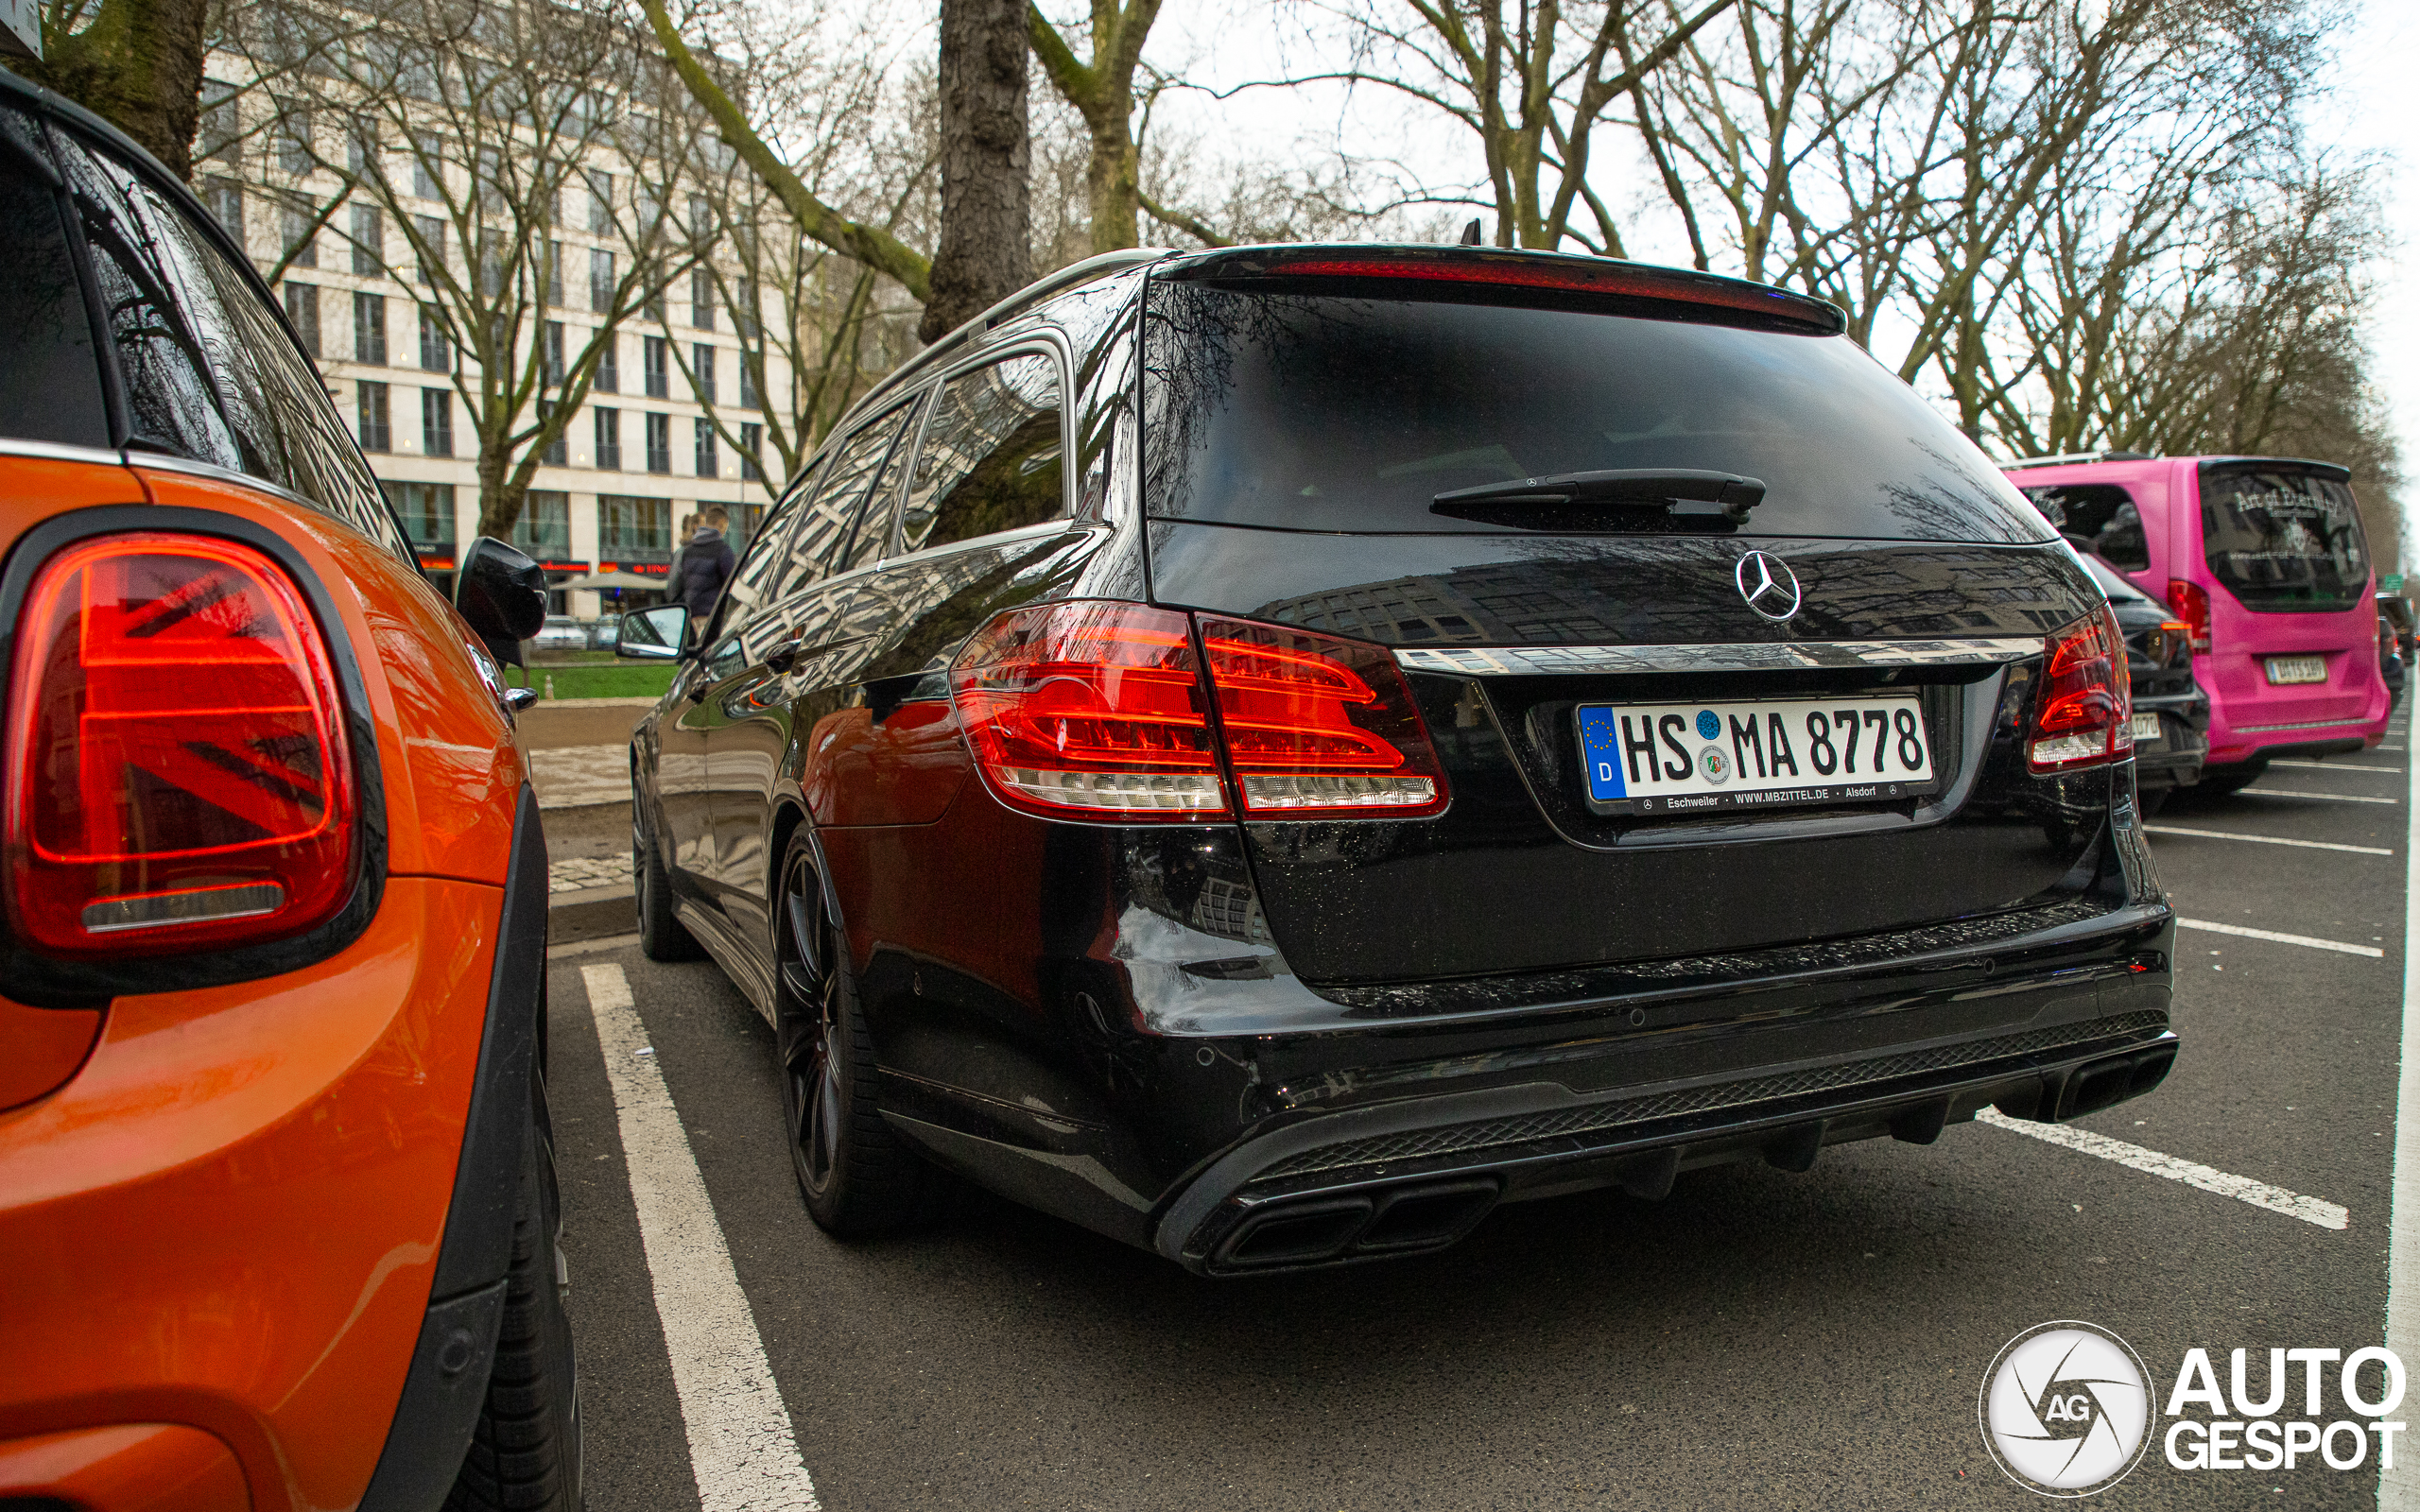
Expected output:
(177, 775)
(1103, 709)
(2191, 602)
(1319, 727)
(2174, 635)
(2083, 714)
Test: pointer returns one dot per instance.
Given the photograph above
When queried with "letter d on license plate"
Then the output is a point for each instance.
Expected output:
(1642, 758)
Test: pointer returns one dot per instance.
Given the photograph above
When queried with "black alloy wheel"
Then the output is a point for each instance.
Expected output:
(856, 1177)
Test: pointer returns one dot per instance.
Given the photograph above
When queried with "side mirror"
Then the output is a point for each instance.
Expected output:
(653, 635)
(502, 595)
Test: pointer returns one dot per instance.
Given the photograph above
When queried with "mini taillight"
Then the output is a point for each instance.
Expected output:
(1093, 708)
(1103, 709)
(2083, 712)
(1318, 726)
(2174, 636)
(2191, 602)
(178, 776)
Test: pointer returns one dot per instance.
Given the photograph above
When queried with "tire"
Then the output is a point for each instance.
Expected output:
(856, 1177)
(661, 935)
(524, 1453)
(2220, 781)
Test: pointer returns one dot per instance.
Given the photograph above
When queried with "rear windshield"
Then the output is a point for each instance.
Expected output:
(2283, 541)
(2102, 516)
(1326, 412)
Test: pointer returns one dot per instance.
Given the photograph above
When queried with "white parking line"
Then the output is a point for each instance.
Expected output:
(2311, 940)
(2323, 798)
(2399, 1488)
(2266, 839)
(2192, 1173)
(741, 1448)
(2338, 767)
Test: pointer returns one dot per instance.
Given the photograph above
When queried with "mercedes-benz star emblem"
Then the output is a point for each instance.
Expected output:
(1768, 585)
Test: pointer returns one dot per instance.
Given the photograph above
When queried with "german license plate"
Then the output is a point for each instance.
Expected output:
(1645, 758)
(2283, 669)
(2146, 729)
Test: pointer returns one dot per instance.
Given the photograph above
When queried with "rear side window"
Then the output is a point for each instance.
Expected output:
(50, 376)
(2282, 539)
(831, 509)
(2103, 516)
(1328, 412)
(208, 370)
(992, 456)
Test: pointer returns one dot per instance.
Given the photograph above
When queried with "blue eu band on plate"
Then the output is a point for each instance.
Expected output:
(1754, 753)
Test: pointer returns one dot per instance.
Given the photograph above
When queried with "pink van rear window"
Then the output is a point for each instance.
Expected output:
(2282, 539)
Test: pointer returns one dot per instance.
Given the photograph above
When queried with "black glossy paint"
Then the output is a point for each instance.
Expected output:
(1107, 1020)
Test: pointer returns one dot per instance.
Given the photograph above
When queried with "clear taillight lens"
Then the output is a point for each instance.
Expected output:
(2191, 602)
(178, 777)
(2083, 712)
(1090, 707)
(1319, 727)
(1103, 709)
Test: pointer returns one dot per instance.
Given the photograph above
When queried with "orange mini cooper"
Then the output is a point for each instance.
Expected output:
(277, 1198)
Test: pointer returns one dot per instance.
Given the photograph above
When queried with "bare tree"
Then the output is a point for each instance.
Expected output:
(138, 63)
(985, 153)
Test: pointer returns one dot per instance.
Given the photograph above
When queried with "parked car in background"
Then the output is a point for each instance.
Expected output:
(277, 1192)
(2395, 610)
(2172, 713)
(2265, 560)
(1268, 753)
(2392, 661)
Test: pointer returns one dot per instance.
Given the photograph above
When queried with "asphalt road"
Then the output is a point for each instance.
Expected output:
(1756, 1340)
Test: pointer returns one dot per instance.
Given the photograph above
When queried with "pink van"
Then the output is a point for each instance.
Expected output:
(2263, 558)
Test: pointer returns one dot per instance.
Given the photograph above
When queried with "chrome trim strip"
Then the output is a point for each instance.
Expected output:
(59, 451)
(2307, 724)
(1543, 661)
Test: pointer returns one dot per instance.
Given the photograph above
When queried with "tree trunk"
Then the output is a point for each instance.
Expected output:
(138, 65)
(1113, 180)
(502, 492)
(986, 235)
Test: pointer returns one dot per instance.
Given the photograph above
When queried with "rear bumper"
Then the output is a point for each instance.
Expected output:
(1402, 1178)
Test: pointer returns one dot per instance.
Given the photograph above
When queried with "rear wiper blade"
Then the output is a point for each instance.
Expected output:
(1681, 491)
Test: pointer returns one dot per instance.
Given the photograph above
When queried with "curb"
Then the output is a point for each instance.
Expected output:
(590, 913)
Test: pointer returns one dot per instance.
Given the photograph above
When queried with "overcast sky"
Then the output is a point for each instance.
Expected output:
(2376, 110)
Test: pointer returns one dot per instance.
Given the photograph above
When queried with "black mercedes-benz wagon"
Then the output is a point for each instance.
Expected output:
(1268, 753)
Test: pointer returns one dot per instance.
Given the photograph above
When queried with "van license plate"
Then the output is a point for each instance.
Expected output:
(2283, 669)
(1689, 758)
(2146, 729)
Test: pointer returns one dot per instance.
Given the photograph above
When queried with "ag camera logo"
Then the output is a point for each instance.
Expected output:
(2067, 1409)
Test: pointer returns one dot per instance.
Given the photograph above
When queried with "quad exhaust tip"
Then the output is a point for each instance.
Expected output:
(1405, 1220)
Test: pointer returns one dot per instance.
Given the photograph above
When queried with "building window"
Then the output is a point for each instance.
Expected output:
(749, 396)
(376, 435)
(294, 143)
(491, 264)
(370, 329)
(625, 524)
(705, 437)
(225, 197)
(437, 421)
(600, 280)
(659, 368)
(659, 443)
(431, 258)
(609, 437)
(600, 202)
(701, 371)
(436, 352)
(544, 529)
(751, 445)
(301, 240)
(223, 128)
(369, 241)
(426, 510)
(302, 313)
(555, 453)
(609, 364)
(702, 298)
(428, 168)
(702, 217)
(555, 274)
(743, 310)
(554, 355)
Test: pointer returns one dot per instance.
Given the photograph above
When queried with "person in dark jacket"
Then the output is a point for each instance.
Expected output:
(704, 564)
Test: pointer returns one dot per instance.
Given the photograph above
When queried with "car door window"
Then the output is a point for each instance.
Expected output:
(50, 373)
(871, 540)
(991, 457)
(754, 582)
(266, 406)
(831, 509)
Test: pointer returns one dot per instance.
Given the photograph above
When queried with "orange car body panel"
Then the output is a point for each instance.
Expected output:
(131, 1467)
(221, 1223)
